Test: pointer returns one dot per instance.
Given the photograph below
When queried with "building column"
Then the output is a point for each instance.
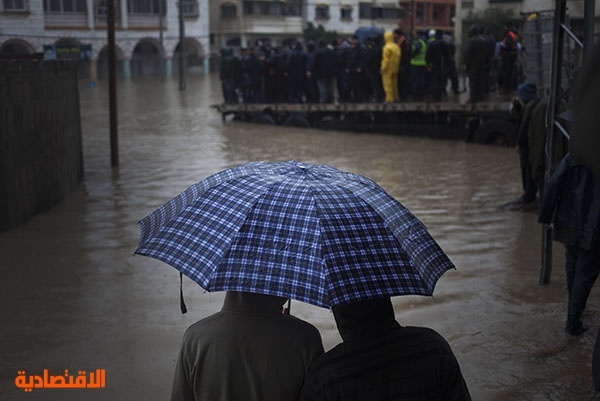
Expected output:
(124, 20)
(90, 13)
(206, 65)
(127, 68)
(169, 66)
(93, 72)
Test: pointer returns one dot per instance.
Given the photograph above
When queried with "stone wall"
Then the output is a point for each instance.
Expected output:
(41, 158)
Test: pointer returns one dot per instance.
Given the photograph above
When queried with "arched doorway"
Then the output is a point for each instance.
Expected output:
(103, 63)
(146, 59)
(193, 57)
(15, 48)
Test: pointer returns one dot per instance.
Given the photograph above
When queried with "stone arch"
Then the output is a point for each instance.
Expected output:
(103, 62)
(193, 56)
(146, 58)
(16, 47)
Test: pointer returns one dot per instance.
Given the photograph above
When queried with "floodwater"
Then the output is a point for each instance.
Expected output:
(75, 297)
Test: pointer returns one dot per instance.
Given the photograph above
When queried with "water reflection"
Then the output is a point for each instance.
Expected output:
(74, 296)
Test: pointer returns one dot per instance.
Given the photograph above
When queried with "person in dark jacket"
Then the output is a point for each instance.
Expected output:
(248, 351)
(524, 106)
(372, 67)
(477, 60)
(356, 67)
(323, 70)
(381, 360)
(296, 72)
(438, 60)
(572, 204)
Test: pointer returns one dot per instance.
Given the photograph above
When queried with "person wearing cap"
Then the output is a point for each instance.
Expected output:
(249, 351)
(381, 360)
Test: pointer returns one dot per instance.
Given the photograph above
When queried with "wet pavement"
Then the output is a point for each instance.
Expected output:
(74, 296)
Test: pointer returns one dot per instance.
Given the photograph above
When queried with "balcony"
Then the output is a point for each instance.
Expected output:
(65, 20)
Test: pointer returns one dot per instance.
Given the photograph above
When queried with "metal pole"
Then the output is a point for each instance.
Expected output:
(160, 39)
(181, 48)
(589, 11)
(553, 104)
(112, 84)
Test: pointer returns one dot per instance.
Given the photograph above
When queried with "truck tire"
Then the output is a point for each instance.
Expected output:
(264, 119)
(296, 121)
(496, 132)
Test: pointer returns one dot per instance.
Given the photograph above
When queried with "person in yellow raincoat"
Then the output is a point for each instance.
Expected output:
(390, 62)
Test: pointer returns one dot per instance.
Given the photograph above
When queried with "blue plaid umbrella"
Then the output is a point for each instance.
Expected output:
(308, 232)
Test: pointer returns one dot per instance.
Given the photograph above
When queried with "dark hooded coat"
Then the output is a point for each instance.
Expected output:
(572, 204)
(248, 351)
(381, 360)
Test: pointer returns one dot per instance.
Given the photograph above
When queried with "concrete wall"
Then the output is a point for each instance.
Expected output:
(41, 157)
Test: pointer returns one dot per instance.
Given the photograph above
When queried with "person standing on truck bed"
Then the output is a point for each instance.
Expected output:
(324, 69)
(418, 66)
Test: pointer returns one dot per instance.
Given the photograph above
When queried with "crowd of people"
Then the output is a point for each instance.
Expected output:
(390, 67)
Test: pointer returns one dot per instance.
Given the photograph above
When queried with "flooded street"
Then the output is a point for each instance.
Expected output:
(74, 296)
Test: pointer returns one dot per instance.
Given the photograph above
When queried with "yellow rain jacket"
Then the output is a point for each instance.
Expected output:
(390, 62)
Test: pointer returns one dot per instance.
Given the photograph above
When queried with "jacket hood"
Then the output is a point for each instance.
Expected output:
(253, 303)
(527, 91)
(388, 37)
(365, 319)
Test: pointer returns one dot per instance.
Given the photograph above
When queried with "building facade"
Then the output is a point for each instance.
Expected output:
(48, 27)
(243, 23)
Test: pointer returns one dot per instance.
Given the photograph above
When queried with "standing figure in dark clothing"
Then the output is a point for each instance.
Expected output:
(229, 74)
(419, 67)
(572, 203)
(248, 351)
(311, 90)
(373, 66)
(478, 59)
(272, 90)
(342, 50)
(509, 53)
(438, 59)
(524, 106)
(381, 360)
(452, 71)
(323, 70)
(252, 70)
(356, 68)
(403, 43)
(296, 72)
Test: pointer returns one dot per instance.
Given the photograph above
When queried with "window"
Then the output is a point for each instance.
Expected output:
(263, 8)
(322, 12)
(364, 11)
(15, 5)
(65, 6)
(189, 8)
(228, 10)
(146, 6)
(388, 13)
(294, 8)
(346, 13)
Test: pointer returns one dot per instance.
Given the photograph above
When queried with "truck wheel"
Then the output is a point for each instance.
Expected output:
(296, 121)
(264, 119)
(496, 132)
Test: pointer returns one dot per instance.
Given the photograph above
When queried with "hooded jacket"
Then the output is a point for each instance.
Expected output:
(390, 60)
(381, 360)
(572, 203)
(248, 351)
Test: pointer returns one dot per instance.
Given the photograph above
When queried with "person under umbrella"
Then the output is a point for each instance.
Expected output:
(294, 230)
(381, 360)
(249, 351)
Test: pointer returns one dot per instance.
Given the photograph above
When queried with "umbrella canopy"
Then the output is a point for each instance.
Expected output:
(308, 232)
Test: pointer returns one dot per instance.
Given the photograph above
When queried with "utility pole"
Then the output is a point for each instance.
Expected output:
(160, 39)
(181, 48)
(112, 84)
